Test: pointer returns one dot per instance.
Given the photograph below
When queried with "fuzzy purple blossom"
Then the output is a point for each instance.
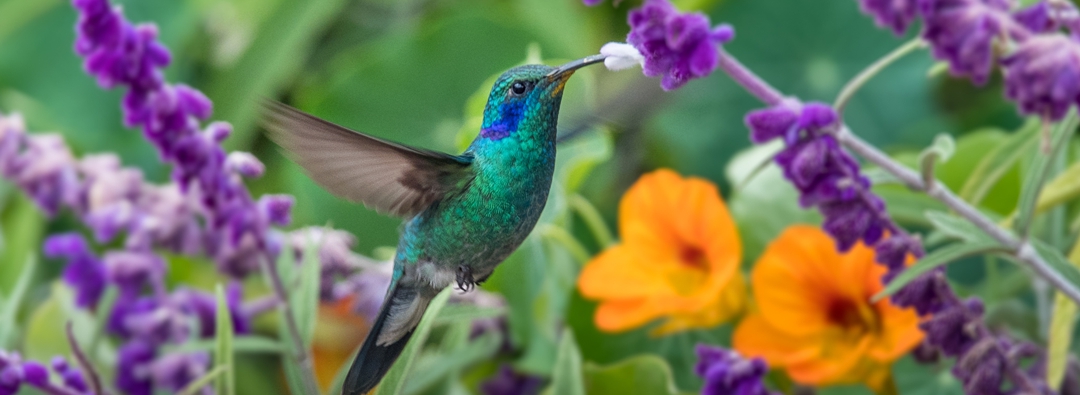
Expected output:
(894, 15)
(962, 32)
(15, 373)
(676, 46)
(84, 271)
(1043, 75)
(728, 373)
(509, 382)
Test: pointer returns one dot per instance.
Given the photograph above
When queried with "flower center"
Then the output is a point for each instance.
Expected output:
(693, 257)
(852, 316)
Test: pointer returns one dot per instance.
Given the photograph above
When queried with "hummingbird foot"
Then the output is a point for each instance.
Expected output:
(465, 279)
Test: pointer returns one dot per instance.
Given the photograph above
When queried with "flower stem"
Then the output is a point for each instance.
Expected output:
(864, 76)
(303, 358)
(84, 362)
(749, 81)
(1021, 250)
(592, 219)
(564, 238)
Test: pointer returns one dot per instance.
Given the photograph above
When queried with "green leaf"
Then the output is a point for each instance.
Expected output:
(224, 353)
(940, 151)
(196, 387)
(25, 225)
(1037, 172)
(1063, 188)
(247, 344)
(467, 313)
(1057, 261)
(10, 307)
(276, 54)
(1057, 344)
(957, 227)
(934, 259)
(995, 164)
(450, 361)
(305, 300)
(643, 374)
(394, 381)
(567, 379)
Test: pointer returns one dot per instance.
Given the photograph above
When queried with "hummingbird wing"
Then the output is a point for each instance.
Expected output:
(384, 175)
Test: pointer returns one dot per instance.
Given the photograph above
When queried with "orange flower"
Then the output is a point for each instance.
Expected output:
(679, 259)
(814, 317)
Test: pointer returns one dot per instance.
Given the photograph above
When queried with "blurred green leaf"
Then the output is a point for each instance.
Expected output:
(467, 313)
(956, 227)
(1057, 261)
(644, 374)
(9, 309)
(1058, 341)
(1063, 188)
(941, 256)
(25, 226)
(431, 368)
(566, 378)
(277, 52)
(304, 299)
(395, 380)
(1039, 170)
(1002, 157)
(196, 387)
(224, 352)
(940, 151)
(14, 14)
(244, 344)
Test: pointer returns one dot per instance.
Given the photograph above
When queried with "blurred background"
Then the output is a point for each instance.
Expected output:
(406, 70)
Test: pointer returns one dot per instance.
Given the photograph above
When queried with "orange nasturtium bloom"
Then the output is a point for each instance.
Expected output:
(813, 314)
(678, 259)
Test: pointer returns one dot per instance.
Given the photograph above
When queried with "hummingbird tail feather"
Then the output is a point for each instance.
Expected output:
(398, 317)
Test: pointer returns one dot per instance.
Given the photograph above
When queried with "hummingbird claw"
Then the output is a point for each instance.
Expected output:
(465, 279)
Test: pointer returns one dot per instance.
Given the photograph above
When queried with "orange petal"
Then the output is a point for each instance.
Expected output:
(730, 303)
(620, 273)
(790, 286)
(900, 332)
(756, 337)
(838, 359)
(622, 315)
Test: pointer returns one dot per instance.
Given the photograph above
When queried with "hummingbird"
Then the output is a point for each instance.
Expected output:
(464, 213)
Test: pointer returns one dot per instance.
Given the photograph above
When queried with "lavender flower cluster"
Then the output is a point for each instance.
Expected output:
(728, 373)
(1041, 64)
(16, 372)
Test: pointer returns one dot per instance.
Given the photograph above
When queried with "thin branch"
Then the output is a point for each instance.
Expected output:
(1022, 250)
(853, 86)
(84, 362)
(303, 358)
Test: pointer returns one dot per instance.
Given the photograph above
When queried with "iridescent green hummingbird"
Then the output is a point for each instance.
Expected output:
(466, 213)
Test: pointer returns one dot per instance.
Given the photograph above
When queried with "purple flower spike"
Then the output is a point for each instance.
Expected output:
(509, 382)
(962, 32)
(176, 371)
(894, 15)
(16, 372)
(1037, 18)
(728, 373)
(84, 272)
(132, 271)
(132, 369)
(679, 47)
(1043, 75)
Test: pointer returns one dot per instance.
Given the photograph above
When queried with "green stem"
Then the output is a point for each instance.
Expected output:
(592, 219)
(564, 238)
(853, 86)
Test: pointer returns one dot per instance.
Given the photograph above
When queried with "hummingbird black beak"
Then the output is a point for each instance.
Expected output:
(567, 69)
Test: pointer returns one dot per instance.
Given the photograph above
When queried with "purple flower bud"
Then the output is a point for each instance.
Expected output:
(203, 305)
(132, 368)
(962, 33)
(245, 164)
(895, 15)
(1036, 18)
(771, 123)
(35, 373)
(924, 294)
(508, 382)
(131, 271)
(276, 208)
(74, 379)
(893, 252)
(727, 373)
(953, 329)
(176, 371)
(84, 272)
(679, 47)
(1043, 75)
(59, 364)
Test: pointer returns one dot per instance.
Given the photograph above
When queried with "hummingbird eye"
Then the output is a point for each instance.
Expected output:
(519, 88)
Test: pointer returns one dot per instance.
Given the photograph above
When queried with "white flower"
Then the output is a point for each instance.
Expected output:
(621, 56)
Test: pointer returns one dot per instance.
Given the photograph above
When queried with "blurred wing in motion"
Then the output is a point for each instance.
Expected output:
(387, 176)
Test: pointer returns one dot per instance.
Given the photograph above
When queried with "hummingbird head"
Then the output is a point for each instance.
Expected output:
(528, 98)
